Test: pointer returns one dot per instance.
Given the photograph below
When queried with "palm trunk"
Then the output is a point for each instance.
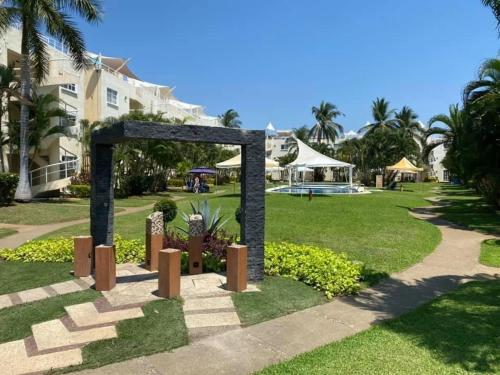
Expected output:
(23, 192)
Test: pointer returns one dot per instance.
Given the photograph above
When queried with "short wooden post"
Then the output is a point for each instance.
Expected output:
(154, 239)
(105, 268)
(237, 268)
(169, 273)
(82, 264)
(195, 244)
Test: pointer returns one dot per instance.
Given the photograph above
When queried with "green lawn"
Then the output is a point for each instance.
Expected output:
(490, 253)
(161, 329)
(455, 334)
(17, 276)
(4, 232)
(468, 209)
(16, 321)
(373, 228)
(41, 213)
(278, 296)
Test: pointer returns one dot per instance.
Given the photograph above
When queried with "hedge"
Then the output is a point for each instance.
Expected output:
(79, 191)
(8, 185)
(321, 268)
(61, 250)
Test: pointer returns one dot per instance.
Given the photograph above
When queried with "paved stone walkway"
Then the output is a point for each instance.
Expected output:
(243, 351)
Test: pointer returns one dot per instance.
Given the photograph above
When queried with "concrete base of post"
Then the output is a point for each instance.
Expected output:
(154, 243)
(195, 255)
(169, 273)
(105, 268)
(83, 248)
(236, 264)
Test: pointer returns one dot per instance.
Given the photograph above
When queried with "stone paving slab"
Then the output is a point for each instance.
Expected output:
(66, 287)
(215, 319)
(14, 359)
(53, 334)
(32, 295)
(5, 301)
(86, 314)
(208, 303)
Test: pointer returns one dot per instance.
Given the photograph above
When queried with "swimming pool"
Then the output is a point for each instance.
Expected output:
(319, 189)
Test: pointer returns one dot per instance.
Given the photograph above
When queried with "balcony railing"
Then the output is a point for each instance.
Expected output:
(54, 172)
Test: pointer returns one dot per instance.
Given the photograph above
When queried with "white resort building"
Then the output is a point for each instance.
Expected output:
(108, 88)
(436, 157)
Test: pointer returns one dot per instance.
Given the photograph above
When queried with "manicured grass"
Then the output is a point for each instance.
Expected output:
(17, 276)
(16, 321)
(162, 328)
(455, 334)
(375, 229)
(278, 296)
(490, 253)
(41, 213)
(468, 209)
(4, 232)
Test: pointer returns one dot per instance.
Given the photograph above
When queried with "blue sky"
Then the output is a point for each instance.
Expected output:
(273, 60)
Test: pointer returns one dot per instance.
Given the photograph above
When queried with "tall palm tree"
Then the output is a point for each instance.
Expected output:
(8, 88)
(453, 122)
(326, 128)
(495, 7)
(486, 89)
(408, 122)
(382, 117)
(35, 17)
(230, 119)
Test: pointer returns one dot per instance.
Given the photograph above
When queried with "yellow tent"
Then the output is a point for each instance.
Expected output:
(404, 166)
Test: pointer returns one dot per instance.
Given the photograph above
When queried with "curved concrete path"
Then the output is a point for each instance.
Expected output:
(29, 232)
(244, 351)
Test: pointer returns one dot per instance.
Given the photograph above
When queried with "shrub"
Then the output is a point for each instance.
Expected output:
(61, 250)
(79, 191)
(176, 182)
(321, 268)
(136, 185)
(211, 221)
(210, 180)
(8, 185)
(168, 208)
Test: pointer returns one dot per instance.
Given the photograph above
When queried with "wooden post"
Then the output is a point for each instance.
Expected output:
(82, 264)
(237, 268)
(105, 268)
(169, 273)
(196, 234)
(154, 239)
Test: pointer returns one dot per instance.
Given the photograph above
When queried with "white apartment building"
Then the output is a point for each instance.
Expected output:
(107, 88)
(437, 170)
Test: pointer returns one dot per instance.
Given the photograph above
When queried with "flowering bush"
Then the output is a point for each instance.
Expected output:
(61, 250)
(321, 268)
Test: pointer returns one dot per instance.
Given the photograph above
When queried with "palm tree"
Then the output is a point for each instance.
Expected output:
(35, 17)
(495, 7)
(486, 89)
(454, 123)
(8, 88)
(326, 128)
(382, 117)
(230, 119)
(408, 122)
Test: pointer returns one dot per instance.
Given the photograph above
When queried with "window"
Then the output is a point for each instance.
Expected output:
(71, 87)
(446, 175)
(112, 96)
(284, 147)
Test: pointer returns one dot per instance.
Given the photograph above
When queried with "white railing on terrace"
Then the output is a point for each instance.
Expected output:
(54, 172)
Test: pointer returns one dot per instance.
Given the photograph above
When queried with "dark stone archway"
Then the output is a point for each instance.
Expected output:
(252, 144)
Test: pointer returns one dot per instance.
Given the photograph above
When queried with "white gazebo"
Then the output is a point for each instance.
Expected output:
(309, 158)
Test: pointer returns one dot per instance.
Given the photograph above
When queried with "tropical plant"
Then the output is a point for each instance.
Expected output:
(326, 128)
(230, 119)
(36, 17)
(408, 122)
(168, 208)
(495, 7)
(212, 222)
(382, 117)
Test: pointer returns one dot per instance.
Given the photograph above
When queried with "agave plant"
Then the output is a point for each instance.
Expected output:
(211, 222)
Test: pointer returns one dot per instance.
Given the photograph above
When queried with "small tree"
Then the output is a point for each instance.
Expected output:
(169, 209)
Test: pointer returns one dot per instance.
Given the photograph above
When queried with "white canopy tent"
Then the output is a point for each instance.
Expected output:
(310, 158)
(235, 162)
